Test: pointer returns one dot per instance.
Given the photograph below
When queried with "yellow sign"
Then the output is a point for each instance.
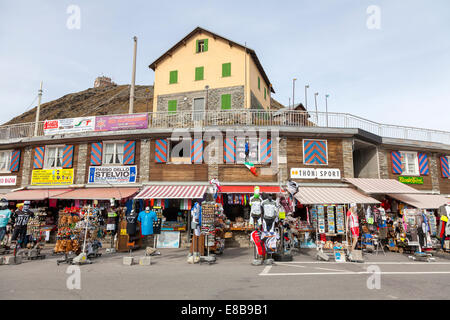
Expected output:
(123, 232)
(52, 177)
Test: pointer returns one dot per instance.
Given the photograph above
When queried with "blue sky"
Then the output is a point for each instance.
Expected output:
(399, 74)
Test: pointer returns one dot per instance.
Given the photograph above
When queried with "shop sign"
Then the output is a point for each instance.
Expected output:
(8, 180)
(69, 125)
(52, 177)
(122, 122)
(410, 180)
(117, 175)
(310, 173)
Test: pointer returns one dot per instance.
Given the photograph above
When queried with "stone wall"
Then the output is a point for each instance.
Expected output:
(383, 164)
(254, 102)
(81, 170)
(144, 165)
(26, 169)
(213, 99)
(347, 154)
(434, 172)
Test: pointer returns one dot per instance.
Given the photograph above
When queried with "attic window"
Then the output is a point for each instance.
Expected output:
(202, 45)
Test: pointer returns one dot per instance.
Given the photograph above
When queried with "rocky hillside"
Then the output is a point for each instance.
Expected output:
(94, 101)
(98, 101)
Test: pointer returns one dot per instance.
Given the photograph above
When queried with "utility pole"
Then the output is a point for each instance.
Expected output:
(38, 110)
(317, 114)
(306, 97)
(293, 92)
(133, 78)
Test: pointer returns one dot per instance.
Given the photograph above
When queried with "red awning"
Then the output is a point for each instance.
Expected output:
(34, 194)
(172, 192)
(249, 189)
(97, 194)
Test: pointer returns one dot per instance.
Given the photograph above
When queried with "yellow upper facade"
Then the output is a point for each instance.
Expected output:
(205, 59)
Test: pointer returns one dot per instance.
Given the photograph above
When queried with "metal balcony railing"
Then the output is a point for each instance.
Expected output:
(260, 118)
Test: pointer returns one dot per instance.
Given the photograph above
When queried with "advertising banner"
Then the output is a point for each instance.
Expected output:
(69, 125)
(52, 177)
(113, 175)
(312, 173)
(410, 180)
(122, 122)
(8, 180)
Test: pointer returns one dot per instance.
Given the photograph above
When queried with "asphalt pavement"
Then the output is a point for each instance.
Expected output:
(391, 276)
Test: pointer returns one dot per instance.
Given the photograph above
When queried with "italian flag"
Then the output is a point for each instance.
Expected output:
(251, 167)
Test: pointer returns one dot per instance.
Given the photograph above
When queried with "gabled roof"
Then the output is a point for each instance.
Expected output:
(214, 35)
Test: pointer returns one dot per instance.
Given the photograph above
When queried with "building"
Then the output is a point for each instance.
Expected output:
(145, 149)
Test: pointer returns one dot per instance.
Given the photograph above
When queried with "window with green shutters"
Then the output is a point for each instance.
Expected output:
(265, 93)
(226, 69)
(172, 106)
(173, 77)
(201, 45)
(199, 73)
(259, 83)
(226, 101)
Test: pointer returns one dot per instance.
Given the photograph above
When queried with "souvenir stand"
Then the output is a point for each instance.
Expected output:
(78, 229)
(35, 229)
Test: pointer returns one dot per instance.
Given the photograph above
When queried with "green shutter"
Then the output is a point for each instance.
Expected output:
(205, 46)
(172, 106)
(226, 101)
(265, 93)
(173, 76)
(199, 73)
(259, 83)
(226, 69)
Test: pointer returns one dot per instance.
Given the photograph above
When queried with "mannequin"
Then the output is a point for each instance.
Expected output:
(21, 217)
(196, 220)
(5, 216)
(255, 209)
(270, 214)
(352, 222)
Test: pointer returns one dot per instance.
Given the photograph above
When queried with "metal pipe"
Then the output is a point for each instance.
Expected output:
(317, 113)
(38, 110)
(133, 77)
(306, 97)
(326, 107)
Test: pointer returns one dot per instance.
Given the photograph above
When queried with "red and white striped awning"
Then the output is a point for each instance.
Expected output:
(172, 192)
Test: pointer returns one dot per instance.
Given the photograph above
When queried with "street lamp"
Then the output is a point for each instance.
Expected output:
(315, 101)
(306, 97)
(326, 106)
(293, 92)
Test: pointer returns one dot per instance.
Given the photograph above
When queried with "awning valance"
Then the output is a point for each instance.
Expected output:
(422, 201)
(380, 186)
(97, 194)
(34, 194)
(330, 195)
(172, 192)
(249, 189)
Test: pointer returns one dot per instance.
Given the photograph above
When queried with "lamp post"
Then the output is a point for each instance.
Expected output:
(306, 96)
(293, 92)
(315, 101)
(326, 106)
(38, 110)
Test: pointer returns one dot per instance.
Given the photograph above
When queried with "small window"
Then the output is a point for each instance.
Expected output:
(199, 73)
(53, 157)
(5, 161)
(180, 151)
(226, 69)
(172, 107)
(173, 77)
(202, 45)
(259, 83)
(113, 152)
(410, 163)
(226, 101)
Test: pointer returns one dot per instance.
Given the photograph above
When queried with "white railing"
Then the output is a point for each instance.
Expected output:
(260, 118)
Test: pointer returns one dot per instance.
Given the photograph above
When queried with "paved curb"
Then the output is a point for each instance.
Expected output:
(443, 255)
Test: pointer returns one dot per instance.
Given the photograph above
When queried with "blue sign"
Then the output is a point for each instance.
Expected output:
(113, 175)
